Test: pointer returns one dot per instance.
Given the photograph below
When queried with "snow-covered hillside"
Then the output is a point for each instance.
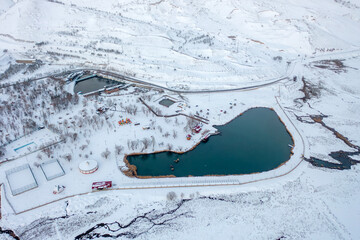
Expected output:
(180, 41)
(5, 5)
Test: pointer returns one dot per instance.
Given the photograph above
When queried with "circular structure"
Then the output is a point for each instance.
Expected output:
(88, 166)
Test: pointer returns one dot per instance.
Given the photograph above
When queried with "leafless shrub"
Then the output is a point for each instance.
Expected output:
(36, 164)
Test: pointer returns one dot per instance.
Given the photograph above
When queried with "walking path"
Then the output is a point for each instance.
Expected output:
(173, 115)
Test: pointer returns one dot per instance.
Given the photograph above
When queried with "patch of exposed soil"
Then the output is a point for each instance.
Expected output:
(319, 119)
(309, 90)
(335, 65)
(343, 157)
(9, 232)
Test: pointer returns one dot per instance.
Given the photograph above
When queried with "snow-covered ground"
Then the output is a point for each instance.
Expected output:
(199, 45)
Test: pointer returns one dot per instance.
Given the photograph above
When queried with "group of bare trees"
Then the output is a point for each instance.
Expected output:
(131, 109)
(29, 105)
(63, 100)
(190, 123)
(145, 143)
(145, 110)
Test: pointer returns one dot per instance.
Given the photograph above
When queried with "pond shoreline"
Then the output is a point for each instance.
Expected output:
(132, 169)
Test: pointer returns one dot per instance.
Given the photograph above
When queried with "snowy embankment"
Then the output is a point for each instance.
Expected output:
(5, 5)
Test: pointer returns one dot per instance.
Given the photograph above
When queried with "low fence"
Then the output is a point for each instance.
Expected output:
(16, 191)
(59, 173)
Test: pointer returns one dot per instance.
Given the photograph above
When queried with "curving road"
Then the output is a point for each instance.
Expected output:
(119, 76)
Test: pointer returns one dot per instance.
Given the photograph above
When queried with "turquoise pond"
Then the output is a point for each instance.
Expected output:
(93, 84)
(255, 141)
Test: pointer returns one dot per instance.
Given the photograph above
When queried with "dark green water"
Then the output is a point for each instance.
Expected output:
(166, 102)
(93, 84)
(256, 141)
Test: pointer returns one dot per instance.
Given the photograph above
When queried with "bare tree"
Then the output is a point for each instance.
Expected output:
(190, 123)
(170, 146)
(106, 153)
(135, 144)
(153, 142)
(36, 164)
(158, 111)
(67, 157)
(171, 196)
(2, 151)
(174, 134)
(118, 149)
(146, 143)
(82, 147)
(74, 136)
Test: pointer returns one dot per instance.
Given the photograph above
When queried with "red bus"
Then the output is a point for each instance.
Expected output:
(101, 185)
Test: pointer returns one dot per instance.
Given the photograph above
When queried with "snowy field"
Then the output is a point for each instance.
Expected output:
(307, 52)
(30, 143)
(52, 169)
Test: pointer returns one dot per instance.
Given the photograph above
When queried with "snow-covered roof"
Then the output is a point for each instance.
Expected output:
(88, 165)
